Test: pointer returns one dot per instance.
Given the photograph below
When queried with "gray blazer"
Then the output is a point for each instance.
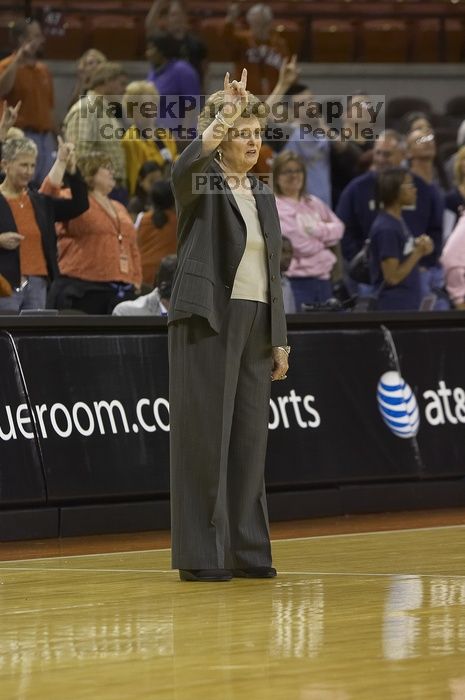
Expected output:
(211, 242)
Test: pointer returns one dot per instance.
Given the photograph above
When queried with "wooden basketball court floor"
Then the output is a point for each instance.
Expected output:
(359, 611)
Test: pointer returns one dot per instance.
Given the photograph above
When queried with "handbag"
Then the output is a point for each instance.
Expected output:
(359, 266)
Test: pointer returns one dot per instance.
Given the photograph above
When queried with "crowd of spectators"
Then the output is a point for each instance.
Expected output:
(87, 216)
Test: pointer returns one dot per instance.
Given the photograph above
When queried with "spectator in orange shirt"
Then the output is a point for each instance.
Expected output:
(28, 247)
(261, 49)
(156, 233)
(98, 255)
(24, 78)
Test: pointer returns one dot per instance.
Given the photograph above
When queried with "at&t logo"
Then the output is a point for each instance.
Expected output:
(398, 405)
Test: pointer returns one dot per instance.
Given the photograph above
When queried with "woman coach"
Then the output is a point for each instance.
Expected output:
(227, 339)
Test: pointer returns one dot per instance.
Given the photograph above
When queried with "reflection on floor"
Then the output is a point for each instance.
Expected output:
(368, 616)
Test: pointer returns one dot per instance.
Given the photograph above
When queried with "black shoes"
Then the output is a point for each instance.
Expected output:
(255, 572)
(225, 575)
(205, 575)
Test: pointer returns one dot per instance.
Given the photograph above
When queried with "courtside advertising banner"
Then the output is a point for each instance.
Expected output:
(91, 412)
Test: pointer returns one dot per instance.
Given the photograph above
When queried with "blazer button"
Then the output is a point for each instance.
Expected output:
(271, 256)
(275, 299)
(273, 277)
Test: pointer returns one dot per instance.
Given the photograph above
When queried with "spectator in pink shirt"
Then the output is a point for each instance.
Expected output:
(453, 262)
(311, 227)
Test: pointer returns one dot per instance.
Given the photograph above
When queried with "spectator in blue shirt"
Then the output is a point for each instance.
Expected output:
(394, 252)
(358, 205)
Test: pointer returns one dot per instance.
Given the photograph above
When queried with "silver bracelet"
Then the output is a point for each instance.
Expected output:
(219, 118)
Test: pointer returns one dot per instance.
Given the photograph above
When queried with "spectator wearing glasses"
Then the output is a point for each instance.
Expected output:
(358, 205)
(311, 227)
(423, 158)
(98, 254)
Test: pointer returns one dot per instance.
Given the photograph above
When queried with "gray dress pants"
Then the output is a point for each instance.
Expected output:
(219, 412)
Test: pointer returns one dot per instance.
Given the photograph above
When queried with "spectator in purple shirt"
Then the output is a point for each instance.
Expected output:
(178, 84)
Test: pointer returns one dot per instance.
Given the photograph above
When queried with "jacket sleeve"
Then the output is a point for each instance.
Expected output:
(65, 209)
(191, 163)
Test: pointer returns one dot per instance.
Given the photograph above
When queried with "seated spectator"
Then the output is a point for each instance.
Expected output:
(156, 231)
(311, 227)
(174, 78)
(25, 78)
(455, 199)
(149, 173)
(86, 66)
(453, 263)
(171, 16)
(28, 246)
(157, 302)
(394, 252)
(91, 123)
(287, 251)
(261, 49)
(144, 140)
(98, 254)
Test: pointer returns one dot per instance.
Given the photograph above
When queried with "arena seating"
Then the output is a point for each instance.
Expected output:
(331, 31)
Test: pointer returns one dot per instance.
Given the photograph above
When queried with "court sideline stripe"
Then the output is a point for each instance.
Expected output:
(286, 539)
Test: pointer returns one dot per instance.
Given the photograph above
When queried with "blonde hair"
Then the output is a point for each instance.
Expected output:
(18, 147)
(98, 55)
(91, 163)
(216, 102)
(459, 157)
(14, 133)
(141, 87)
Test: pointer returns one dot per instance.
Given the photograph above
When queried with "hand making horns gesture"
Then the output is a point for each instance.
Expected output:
(236, 96)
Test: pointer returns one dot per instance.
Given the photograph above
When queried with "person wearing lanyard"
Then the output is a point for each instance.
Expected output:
(28, 245)
(98, 255)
